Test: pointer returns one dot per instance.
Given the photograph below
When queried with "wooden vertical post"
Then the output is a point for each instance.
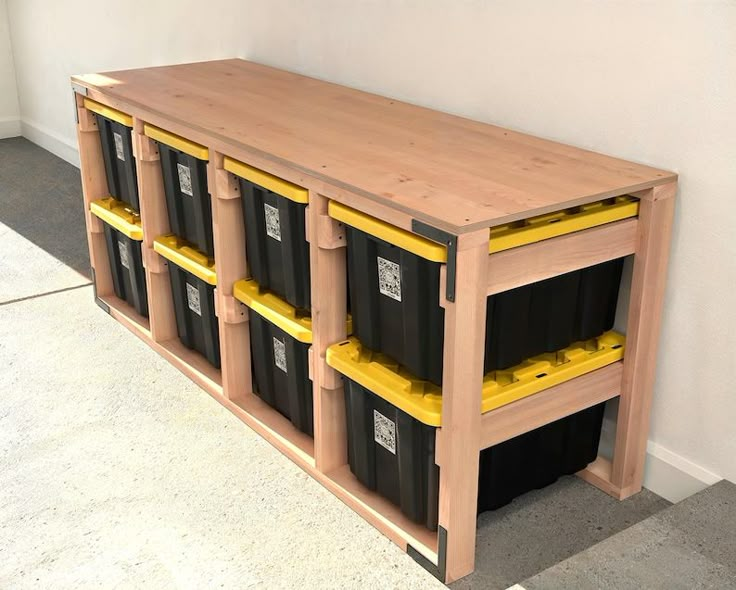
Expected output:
(458, 440)
(155, 223)
(329, 313)
(642, 336)
(231, 266)
(94, 186)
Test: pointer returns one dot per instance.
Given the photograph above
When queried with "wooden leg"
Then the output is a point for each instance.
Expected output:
(329, 313)
(230, 261)
(155, 222)
(94, 186)
(459, 438)
(642, 335)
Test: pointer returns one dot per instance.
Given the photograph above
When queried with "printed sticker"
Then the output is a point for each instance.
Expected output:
(119, 146)
(389, 278)
(273, 222)
(193, 299)
(123, 250)
(185, 179)
(384, 431)
(279, 354)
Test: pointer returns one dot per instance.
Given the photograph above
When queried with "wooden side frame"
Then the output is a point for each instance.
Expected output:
(449, 554)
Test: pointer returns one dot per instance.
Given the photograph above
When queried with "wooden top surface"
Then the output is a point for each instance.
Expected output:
(454, 173)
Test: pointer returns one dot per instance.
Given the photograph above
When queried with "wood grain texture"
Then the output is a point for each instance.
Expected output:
(458, 447)
(642, 338)
(329, 311)
(551, 404)
(230, 263)
(598, 474)
(453, 173)
(535, 262)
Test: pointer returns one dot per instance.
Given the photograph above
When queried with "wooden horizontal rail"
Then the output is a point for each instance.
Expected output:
(542, 260)
(549, 405)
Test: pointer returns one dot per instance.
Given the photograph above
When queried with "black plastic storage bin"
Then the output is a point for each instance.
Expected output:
(123, 235)
(193, 282)
(391, 429)
(394, 295)
(188, 201)
(116, 137)
(276, 243)
(280, 338)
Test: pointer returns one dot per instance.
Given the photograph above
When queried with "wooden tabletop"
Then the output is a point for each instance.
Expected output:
(454, 173)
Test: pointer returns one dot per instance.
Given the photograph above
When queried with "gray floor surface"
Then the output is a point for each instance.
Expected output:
(689, 546)
(118, 472)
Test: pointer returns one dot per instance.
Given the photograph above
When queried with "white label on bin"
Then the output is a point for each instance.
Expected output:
(193, 299)
(279, 354)
(123, 249)
(119, 146)
(185, 179)
(384, 431)
(273, 222)
(389, 278)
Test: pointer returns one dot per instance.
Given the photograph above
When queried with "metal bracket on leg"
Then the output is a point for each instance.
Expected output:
(449, 240)
(104, 306)
(439, 570)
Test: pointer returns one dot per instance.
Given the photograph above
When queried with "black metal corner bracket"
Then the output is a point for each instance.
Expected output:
(104, 306)
(439, 570)
(449, 240)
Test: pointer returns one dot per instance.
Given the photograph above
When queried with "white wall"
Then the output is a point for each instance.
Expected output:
(54, 40)
(9, 110)
(649, 81)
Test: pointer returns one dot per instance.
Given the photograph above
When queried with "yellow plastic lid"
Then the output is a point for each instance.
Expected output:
(108, 112)
(177, 142)
(543, 227)
(423, 400)
(176, 250)
(502, 237)
(268, 181)
(118, 215)
(388, 233)
(274, 309)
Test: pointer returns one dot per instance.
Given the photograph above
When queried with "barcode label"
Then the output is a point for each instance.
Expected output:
(193, 299)
(185, 179)
(279, 354)
(389, 278)
(384, 431)
(123, 250)
(273, 222)
(119, 146)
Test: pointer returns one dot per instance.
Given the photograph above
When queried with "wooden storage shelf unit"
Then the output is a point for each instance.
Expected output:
(441, 176)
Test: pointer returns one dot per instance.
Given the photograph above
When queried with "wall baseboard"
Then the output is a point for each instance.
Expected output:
(667, 474)
(9, 127)
(50, 141)
(672, 476)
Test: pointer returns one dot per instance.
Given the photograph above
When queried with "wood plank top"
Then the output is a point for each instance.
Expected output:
(453, 173)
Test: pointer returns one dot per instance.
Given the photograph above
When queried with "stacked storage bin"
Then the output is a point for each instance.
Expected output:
(193, 281)
(123, 235)
(278, 293)
(190, 246)
(280, 337)
(276, 243)
(116, 137)
(120, 211)
(394, 299)
(392, 419)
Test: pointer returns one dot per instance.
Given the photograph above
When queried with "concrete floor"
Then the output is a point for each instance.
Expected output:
(118, 472)
(688, 546)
